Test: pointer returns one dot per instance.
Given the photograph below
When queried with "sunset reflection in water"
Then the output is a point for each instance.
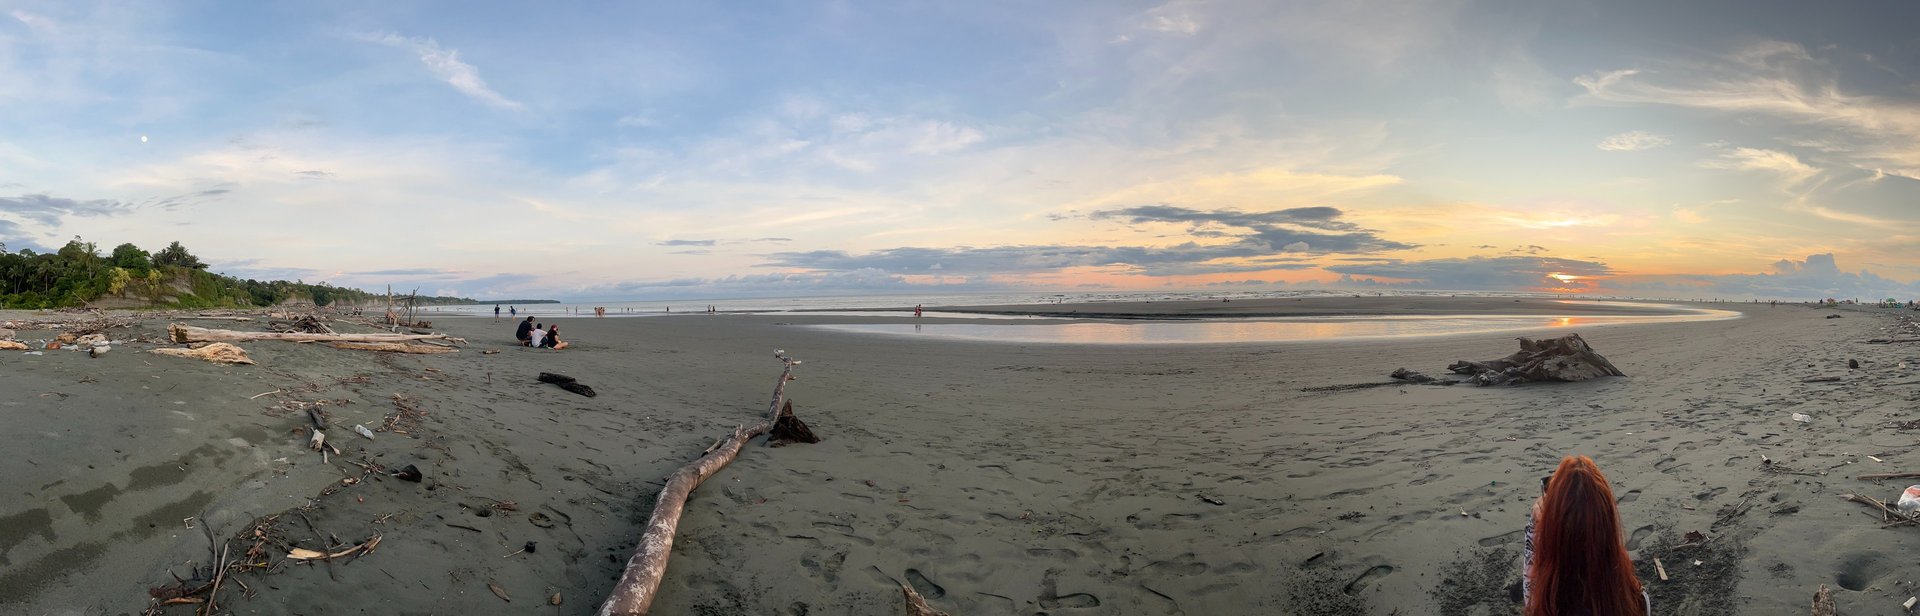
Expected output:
(1215, 331)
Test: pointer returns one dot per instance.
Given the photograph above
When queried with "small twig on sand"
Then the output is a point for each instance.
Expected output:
(1879, 476)
(255, 396)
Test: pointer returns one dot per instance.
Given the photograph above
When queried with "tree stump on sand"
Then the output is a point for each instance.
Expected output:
(1567, 358)
(789, 429)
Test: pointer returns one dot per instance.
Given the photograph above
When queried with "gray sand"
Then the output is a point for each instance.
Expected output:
(995, 478)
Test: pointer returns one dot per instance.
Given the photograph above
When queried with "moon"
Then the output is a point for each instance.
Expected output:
(143, 139)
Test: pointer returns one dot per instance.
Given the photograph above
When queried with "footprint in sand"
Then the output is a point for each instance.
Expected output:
(1630, 496)
(1367, 577)
(1858, 570)
(1052, 553)
(925, 586)
(1639, 534)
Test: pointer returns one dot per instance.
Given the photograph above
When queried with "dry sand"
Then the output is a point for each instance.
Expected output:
(996, 478)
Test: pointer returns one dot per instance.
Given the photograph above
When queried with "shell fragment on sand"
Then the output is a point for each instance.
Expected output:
(218, 352)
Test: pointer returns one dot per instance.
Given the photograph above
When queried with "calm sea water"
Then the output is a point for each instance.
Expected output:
(1287, 329)
(905, 302)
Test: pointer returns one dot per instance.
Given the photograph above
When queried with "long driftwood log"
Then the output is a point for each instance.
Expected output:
(188, 333)
(393, 347)
(633, 595)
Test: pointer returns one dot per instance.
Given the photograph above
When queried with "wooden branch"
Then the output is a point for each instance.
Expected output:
(1886, 513)
(639, 585)
(188, 333)
(1880, 476)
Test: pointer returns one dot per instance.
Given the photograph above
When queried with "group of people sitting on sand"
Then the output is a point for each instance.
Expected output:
(531, 335)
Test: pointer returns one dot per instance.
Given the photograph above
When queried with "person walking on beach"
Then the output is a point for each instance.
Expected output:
(496, 312)
(513, 311)
(525, 331)
(1576, 563)
(916, 310)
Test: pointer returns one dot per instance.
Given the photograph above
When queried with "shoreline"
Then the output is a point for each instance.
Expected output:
(992, 477)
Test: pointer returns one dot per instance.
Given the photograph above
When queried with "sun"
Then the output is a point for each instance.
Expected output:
(1563, 277)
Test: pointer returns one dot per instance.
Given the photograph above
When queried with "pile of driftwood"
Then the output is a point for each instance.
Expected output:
(1567, 358)
(305, 324)
(217, 344)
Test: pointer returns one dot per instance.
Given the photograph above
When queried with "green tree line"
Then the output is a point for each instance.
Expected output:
(77, 274)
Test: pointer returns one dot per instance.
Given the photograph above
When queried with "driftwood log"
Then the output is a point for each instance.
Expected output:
(218, 352)
(633, 595)
(917, 605)
(188, 333)
(789, 429)
(568, 383)
(394, 347)
(1567, 358)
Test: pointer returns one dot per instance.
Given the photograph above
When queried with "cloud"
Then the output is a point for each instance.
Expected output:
(1780, 81)
(1633, 140)
(687, 243)
(1785, 165)
(48, 211)
(1817, 276)
(1509, 273)
(1311, 217)
(446, 64)
(773, 239)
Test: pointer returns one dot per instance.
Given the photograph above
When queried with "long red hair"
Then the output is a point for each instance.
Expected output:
(1580, 565)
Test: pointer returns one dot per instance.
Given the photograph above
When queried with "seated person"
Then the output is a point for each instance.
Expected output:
(525, 332)
(535, 337)
(552, 340)
(1575, 559)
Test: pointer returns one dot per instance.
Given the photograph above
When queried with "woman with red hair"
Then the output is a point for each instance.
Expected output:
(1576, 562)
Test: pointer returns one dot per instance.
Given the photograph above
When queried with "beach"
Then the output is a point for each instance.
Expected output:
(993, 477)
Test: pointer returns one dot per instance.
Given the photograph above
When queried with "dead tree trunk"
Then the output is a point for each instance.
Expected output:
(633, 595)
(188, 333)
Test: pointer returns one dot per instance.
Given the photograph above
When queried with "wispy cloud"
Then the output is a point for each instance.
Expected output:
(1633, 140)
(48, 211)
(688, 243)
(446, 64)
(1786, 166)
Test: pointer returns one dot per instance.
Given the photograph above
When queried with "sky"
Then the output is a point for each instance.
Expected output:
(661, 150)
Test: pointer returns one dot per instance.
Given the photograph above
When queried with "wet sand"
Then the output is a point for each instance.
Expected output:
(996, 478)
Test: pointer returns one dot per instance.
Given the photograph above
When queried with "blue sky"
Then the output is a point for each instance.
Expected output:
(627, 150)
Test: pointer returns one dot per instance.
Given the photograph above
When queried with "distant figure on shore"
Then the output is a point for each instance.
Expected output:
(496, 312)
(1576, 561)
(513, 311)
(552, 340)
(917, 309)
(525, 331)
(537, 337)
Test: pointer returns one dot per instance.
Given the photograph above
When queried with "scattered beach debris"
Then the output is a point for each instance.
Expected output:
(1910, 500)
(1853, 364)
(1823, 602)
(99, 350)
(317, 441)
(917, 605)
(306, 324)
(1821, 379)
(1880, 476)
(1802, 418)
(410, 473)
(640, 583)
(363, 431)
(789, 429)
(1908, 606)
(567, 383)
(1833, 316)
(529, 548)
(9, 345)
(490, 352)
(1211, 500)
(1887, 514)
(499, 592)
(554, 600)
(1661, 567)
(1567, 358)
(218, 352)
